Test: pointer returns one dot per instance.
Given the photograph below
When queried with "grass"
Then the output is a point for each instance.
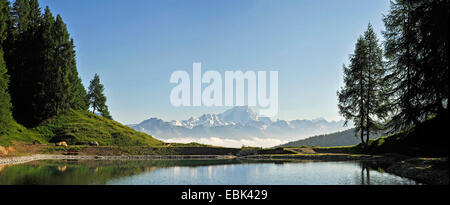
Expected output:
(352, 149)
(77, 128)
(428, 138)
(82, 127)
(13, 131)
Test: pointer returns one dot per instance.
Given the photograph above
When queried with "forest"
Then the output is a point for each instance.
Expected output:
(402, 81)
(38, 72)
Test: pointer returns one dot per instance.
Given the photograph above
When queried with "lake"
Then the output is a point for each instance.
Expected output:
(195, 172)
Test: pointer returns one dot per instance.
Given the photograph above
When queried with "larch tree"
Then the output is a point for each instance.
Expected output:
(375, 92)
(363, 98)
(417, 52)
(351, 97)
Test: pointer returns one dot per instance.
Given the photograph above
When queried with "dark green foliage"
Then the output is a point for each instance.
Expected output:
(5, 100)
(42, 65)
(411, 141)
(18, 63)
(5, 17)
(105, 112)
(44, 84)
(417, 49)
(79, 95)
(414, 85)
(375, 97)
(9, 129)
(364, 98)
(96, 98)
(351, 96)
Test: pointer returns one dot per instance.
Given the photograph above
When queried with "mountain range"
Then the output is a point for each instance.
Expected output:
(237, 123)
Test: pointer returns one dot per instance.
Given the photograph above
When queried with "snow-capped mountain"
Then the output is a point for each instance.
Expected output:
(207, 120)
(239, 115)
(237, 123)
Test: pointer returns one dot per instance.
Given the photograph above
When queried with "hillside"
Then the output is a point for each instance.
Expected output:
(80, 127)
(343, 138)
(13, 131)
(428, 138)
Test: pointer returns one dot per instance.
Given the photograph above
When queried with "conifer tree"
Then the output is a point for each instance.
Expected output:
(24, 62)
(21, 15)
(434, 48)
(78, 97)
(103, 110)
(351, 97)
(42, 64)
(4, 19)
(375, 95)
(363, 98)
(5, 101)
(61, 92)
(417, 52)
(97, 99)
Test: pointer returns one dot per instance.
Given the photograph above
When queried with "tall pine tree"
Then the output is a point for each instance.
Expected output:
(78, 97)
(5, 101)
(97, 99)
(42, 64)
(17, 59)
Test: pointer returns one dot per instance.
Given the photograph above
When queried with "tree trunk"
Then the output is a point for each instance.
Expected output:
(369, 88)
(367, 136)
(362, 138)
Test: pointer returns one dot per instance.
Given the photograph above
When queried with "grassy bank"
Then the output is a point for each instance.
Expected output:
(15, 132)
(427, 139)
(82, 127)
(78, 128)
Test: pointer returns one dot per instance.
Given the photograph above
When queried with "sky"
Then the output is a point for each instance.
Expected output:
(136, 45)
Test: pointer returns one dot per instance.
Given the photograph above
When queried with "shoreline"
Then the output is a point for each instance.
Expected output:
(30, 158)
(317, 157)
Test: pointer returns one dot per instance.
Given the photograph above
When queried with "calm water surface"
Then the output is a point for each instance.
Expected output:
(193, 172)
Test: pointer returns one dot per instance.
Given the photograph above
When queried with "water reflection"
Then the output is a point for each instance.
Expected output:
(228, 172)
(365, 174)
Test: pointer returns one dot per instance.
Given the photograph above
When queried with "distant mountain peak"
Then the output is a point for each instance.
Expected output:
(319, 119)
(237, 123)
(239, 114)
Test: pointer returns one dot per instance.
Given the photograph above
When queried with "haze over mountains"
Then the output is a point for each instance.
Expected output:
(236, 127)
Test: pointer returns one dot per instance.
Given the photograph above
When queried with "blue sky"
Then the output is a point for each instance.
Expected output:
(136, 45)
